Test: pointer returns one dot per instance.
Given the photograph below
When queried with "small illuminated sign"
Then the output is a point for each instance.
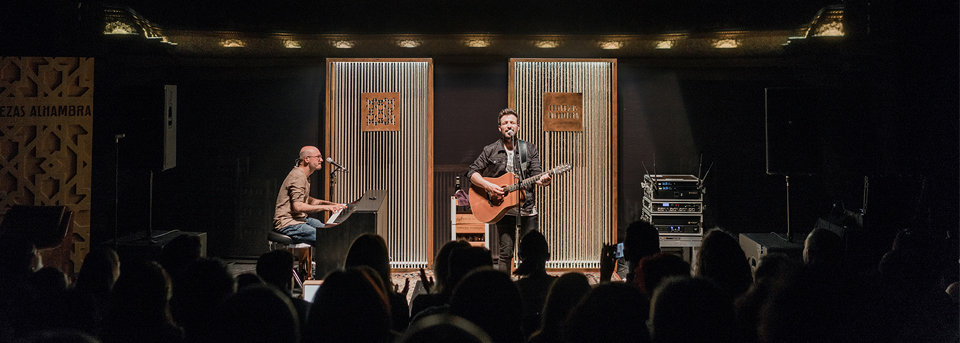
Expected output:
(563, 111)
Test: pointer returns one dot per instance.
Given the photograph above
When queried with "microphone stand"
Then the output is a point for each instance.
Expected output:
(116, 190)
(518, 167)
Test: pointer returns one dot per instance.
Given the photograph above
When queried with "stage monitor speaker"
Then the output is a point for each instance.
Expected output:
(136, 247)
(794, 120)
(756, 245)
(45, 226)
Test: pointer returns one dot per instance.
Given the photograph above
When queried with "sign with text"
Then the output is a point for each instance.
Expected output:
(378, 111)
(563, 111)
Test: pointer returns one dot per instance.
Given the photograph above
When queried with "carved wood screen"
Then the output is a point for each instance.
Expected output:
(578, 210)
(379, 125)
(46, 135)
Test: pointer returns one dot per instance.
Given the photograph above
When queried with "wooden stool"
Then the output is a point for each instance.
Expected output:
(302, 252)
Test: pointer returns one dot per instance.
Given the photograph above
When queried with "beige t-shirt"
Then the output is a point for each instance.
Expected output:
(296, 187)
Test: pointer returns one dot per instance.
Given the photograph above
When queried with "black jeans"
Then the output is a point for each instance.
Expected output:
(506, 234)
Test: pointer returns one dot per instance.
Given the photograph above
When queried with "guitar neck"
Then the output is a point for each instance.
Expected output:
(526, 182)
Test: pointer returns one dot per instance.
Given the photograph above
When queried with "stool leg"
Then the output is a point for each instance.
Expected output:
(296, 277)
(309, 261)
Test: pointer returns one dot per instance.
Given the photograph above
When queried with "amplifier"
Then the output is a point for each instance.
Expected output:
(756, 245)
(672, 206)
(671, 224)
(672, 187)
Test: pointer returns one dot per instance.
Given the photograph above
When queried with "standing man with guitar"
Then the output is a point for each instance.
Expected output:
(509, 155)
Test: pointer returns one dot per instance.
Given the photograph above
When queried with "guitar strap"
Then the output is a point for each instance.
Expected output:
(523, 157)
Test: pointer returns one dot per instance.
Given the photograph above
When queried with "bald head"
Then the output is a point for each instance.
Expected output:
(313, 154)
(309, 150)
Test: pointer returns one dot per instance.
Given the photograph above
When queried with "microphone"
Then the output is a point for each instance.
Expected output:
(331, 161)
(510, 133)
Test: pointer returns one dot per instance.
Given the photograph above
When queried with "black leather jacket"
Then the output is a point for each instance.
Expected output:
(492, 162)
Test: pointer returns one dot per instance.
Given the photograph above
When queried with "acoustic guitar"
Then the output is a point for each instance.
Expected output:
(489, 207)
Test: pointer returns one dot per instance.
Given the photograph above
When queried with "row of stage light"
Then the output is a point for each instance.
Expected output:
(123, 22)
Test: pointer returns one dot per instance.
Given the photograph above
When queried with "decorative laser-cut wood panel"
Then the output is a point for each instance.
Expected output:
(578, 212)
(394, 152)
(46, 135)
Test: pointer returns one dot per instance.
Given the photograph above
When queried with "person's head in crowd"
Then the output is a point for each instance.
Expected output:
(686, 309)
(369, 250)
(661, 266)
(611, 312)
(444, 328)
(139, 306)
(256, 314)
(179, 253)
(722, 260)
(143, 287)
(823, 249)
(205, 284)
(774, 271)
(441, 266)
(49, 281)
(18, 257)
(533, 253)
(276, 268)
(248, 280)
(464, 260)
(564, 294)
(775, 266)
(99, 271)
(640, 240)
(489, 298)
(349, 307)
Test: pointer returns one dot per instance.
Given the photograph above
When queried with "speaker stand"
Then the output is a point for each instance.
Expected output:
(786, 180)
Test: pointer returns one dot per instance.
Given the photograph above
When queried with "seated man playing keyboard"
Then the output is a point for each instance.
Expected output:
(294, 201)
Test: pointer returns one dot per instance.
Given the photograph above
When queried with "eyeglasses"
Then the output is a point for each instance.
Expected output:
(305, 157)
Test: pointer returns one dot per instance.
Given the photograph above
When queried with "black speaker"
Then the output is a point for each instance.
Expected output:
(169, 127)
(756, 245)
(794, 119)
(147, 116)
(45, 226)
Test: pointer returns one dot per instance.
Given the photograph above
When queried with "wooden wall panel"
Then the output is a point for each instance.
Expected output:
(398, 161)
(46, 134)
(578, 212)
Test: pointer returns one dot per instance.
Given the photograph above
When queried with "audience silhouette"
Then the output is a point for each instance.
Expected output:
(908, 295)
(564, 294)
(349, 307)
(534, 281)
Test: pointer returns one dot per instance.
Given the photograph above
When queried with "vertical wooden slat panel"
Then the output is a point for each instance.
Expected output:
(577, 213)
(398, 161)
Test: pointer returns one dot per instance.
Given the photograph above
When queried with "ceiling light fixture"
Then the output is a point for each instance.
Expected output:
(726, 43)
(291, 44)
(343, 44)
(610, 45)
(664, 44)
(546, 44)
(232, 43)
(476, 43)
(408, 43)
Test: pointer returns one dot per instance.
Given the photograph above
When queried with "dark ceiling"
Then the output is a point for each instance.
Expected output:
(458, 16)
